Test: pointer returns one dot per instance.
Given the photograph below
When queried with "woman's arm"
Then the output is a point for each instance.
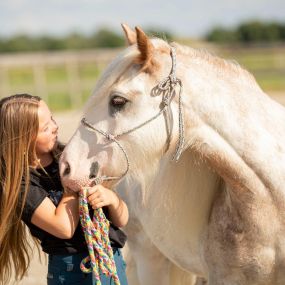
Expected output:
(60, 221)
(99, 196)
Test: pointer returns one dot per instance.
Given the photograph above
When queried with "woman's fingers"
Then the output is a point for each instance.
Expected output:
(99, 196)
(93, 196)
(98, 205)
(92, 190)
(94, 203)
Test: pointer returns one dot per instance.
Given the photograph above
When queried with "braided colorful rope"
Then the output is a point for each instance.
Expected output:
(96, 234)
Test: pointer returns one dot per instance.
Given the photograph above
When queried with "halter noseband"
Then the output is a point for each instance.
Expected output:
(167, 87)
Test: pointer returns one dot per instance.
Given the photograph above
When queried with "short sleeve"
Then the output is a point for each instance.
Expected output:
(34, 198)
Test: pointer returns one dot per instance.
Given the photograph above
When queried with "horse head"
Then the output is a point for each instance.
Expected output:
(131, 121)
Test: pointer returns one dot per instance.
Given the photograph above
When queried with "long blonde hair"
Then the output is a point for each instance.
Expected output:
(19, 126)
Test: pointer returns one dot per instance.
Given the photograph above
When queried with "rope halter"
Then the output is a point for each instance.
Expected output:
(167, 88)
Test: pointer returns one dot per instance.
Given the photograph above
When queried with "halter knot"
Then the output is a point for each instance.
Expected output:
(165, 101)
(110, 137)
(98, 180)
(165, 84)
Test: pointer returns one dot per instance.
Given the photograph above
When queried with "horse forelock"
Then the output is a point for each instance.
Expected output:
(111, 74)
(118, 67)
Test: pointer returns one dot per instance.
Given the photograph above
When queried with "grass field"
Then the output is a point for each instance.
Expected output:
(267, 64)
(22, 80)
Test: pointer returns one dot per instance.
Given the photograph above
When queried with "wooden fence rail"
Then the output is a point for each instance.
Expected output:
(38, 65)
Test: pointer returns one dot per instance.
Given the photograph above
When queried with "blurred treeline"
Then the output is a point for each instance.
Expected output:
(103, 38)
(249, 32)
(65, 78)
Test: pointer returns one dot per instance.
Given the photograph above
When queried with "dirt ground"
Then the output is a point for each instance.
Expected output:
(68, 122)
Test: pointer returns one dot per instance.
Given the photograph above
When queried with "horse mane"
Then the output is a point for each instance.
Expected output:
(113, 71)
(228, 68)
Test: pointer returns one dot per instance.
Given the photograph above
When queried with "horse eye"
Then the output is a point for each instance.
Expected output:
(118, 102)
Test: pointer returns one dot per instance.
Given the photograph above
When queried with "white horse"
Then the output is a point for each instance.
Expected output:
(218, 212)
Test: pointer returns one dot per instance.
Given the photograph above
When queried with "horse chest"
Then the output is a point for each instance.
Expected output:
(175, 219)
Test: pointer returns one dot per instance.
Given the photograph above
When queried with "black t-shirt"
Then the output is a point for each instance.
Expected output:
(46, 183)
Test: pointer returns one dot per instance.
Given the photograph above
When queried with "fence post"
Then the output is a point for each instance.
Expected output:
(40, 81)
(74, 85)
(4, 82)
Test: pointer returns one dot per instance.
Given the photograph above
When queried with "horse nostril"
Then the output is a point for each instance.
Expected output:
(66, 169)
(94, 168)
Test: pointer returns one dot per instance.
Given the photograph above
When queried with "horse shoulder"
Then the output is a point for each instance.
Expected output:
(244, 228)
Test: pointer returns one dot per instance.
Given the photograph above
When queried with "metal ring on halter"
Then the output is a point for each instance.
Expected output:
(169, 84)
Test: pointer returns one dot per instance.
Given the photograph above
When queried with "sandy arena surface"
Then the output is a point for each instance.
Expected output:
(68, 122)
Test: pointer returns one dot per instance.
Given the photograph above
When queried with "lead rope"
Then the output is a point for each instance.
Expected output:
(96, 234)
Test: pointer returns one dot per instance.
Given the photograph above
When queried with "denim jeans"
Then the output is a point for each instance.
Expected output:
(65, 270)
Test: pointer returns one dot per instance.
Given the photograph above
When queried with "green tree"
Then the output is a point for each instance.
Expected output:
(18, 43)
(282, 32)
(221, 35)
(159, 33)
(253, 31)
(106, 38)
(75, 41)
(272, 32)
(50, 43)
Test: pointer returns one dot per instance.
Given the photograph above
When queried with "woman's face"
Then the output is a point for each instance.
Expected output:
(47, 135)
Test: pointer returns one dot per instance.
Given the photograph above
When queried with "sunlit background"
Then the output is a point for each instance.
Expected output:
(57, 49)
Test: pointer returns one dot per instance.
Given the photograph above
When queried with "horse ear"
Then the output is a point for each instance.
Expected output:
(131, 36)
(146, 49)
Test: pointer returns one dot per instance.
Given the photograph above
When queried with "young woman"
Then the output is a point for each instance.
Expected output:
(31, 192)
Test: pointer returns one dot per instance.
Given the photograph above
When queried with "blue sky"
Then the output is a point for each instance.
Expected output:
(182, 17)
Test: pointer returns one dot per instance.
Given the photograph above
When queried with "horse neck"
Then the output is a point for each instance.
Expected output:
(216, 89)
(235, 108)
(175, 188)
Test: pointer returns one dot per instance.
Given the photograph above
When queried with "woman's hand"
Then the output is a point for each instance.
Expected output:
(99, 196)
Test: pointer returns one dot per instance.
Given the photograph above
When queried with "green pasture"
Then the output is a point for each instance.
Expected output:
(267, 64)
(56, 79)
